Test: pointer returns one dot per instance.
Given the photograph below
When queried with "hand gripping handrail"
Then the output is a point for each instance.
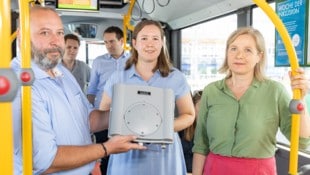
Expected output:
(296, 92)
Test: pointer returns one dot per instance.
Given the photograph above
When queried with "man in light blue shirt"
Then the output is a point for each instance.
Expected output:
(62, 117)
(102, 68)
(104, 65)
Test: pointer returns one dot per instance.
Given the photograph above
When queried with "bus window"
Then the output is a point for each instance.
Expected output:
(90, 50)
(203, 50)
(264, 24)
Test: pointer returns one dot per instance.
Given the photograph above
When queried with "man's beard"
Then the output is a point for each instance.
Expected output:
(41, 59)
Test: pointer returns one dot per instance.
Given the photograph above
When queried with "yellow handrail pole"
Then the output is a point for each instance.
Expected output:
(296, 92)
(26, 90)
(13, 36)
(6, 124)
(126, 23)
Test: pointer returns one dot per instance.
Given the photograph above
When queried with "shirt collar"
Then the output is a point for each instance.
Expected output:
(123, 56)
(222, 85)
(132, 72)
(41, 74)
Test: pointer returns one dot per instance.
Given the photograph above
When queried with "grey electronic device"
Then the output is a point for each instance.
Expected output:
(145, 111)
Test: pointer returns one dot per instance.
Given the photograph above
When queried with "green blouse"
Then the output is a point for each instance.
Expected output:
(244, 128)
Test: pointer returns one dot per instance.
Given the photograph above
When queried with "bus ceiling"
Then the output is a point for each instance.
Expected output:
(176, 13)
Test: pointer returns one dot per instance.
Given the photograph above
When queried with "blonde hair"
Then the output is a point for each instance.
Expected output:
(259, 69)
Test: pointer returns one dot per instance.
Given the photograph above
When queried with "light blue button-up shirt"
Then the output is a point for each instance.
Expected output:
(175, 81)
(16, 103)
(102, 68)
(60, 113)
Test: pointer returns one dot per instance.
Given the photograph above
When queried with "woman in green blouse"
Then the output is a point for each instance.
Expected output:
(240, 115)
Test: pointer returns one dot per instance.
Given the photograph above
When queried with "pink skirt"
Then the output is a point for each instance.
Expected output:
(222, 165)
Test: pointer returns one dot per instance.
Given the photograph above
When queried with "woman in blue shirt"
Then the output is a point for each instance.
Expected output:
(149, 66)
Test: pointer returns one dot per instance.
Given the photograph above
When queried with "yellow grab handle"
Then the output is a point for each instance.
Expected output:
(296, 92)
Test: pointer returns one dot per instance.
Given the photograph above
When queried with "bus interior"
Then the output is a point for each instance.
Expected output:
(195, 32)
